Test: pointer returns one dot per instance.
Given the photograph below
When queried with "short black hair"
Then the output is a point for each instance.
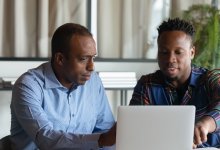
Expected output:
(61, 38)
(176, 24)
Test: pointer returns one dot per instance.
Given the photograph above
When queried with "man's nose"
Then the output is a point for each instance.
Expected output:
(90, 65)
(172, 57)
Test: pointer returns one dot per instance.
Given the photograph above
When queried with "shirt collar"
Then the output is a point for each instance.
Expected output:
(196, 75)
(50, 78)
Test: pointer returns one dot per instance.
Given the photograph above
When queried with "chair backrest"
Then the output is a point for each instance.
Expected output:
(5, 143)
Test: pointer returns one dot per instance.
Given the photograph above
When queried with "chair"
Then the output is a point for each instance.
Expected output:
(5, 143)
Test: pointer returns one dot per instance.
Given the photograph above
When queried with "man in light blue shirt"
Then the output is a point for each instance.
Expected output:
(62, 103)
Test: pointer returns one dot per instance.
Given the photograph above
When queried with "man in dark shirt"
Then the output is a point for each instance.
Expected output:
(178, 82)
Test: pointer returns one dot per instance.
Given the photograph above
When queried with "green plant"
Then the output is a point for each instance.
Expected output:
(206, 20)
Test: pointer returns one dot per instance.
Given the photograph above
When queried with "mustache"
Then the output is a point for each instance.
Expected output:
(172, 65)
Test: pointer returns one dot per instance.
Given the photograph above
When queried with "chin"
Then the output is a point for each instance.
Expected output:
(170, 76)
(81, 82)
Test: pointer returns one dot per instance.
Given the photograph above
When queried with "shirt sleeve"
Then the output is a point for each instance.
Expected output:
(140, 95)
(26, 103)
(213, 90)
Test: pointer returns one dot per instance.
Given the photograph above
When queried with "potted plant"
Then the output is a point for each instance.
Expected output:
(206, 20)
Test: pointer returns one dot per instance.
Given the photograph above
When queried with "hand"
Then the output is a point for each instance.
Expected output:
(108, 138)
(204, 126)
(194, 146)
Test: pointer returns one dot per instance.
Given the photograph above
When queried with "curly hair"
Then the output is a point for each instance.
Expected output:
(176, 24)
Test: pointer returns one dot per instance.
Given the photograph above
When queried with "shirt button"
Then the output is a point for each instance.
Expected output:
(72, 115)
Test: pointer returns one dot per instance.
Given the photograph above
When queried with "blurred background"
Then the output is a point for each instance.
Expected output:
(122, 28)
(125, 32)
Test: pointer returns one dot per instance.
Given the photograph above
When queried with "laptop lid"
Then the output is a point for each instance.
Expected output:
(155, 127)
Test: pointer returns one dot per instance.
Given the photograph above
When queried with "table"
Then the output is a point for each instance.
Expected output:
(210, 148)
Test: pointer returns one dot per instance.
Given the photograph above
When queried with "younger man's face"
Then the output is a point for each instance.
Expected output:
(175, 53)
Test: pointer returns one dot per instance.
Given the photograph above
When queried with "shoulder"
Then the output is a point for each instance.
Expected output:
(214, 72)
(199, 70)
(213, 76)
(29, 86)
(32, 77)
(153, 78)
(209, 77)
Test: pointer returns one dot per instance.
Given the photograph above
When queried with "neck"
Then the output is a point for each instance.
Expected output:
(60, 78)
(179, 83)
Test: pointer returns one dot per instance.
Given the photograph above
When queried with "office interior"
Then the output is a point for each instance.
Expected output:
(125, 32)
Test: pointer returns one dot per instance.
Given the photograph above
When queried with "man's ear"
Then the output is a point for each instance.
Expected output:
(192, 51)
(59, 58)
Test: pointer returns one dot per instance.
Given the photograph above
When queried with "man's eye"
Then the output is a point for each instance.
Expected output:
(163, 52)
(84, 59)
(179, 52)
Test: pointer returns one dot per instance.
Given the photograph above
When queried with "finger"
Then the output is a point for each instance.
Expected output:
(197, 138)
(203, 135)
(194, 146)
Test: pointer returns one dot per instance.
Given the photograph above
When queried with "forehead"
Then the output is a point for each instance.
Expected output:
(82, 45)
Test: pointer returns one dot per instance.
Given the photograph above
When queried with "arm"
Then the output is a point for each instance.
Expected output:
(210, 122)
(204, 126)
(108, 138)
(140, 95)
(105, 116)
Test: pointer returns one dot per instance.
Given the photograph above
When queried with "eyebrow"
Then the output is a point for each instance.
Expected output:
(88, 55)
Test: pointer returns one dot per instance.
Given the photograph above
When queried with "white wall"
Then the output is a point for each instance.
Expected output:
(5, 115)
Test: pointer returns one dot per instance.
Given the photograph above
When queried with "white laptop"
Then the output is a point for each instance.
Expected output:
(155, 127)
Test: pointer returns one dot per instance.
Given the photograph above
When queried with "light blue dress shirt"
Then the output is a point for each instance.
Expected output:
(47, 115)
